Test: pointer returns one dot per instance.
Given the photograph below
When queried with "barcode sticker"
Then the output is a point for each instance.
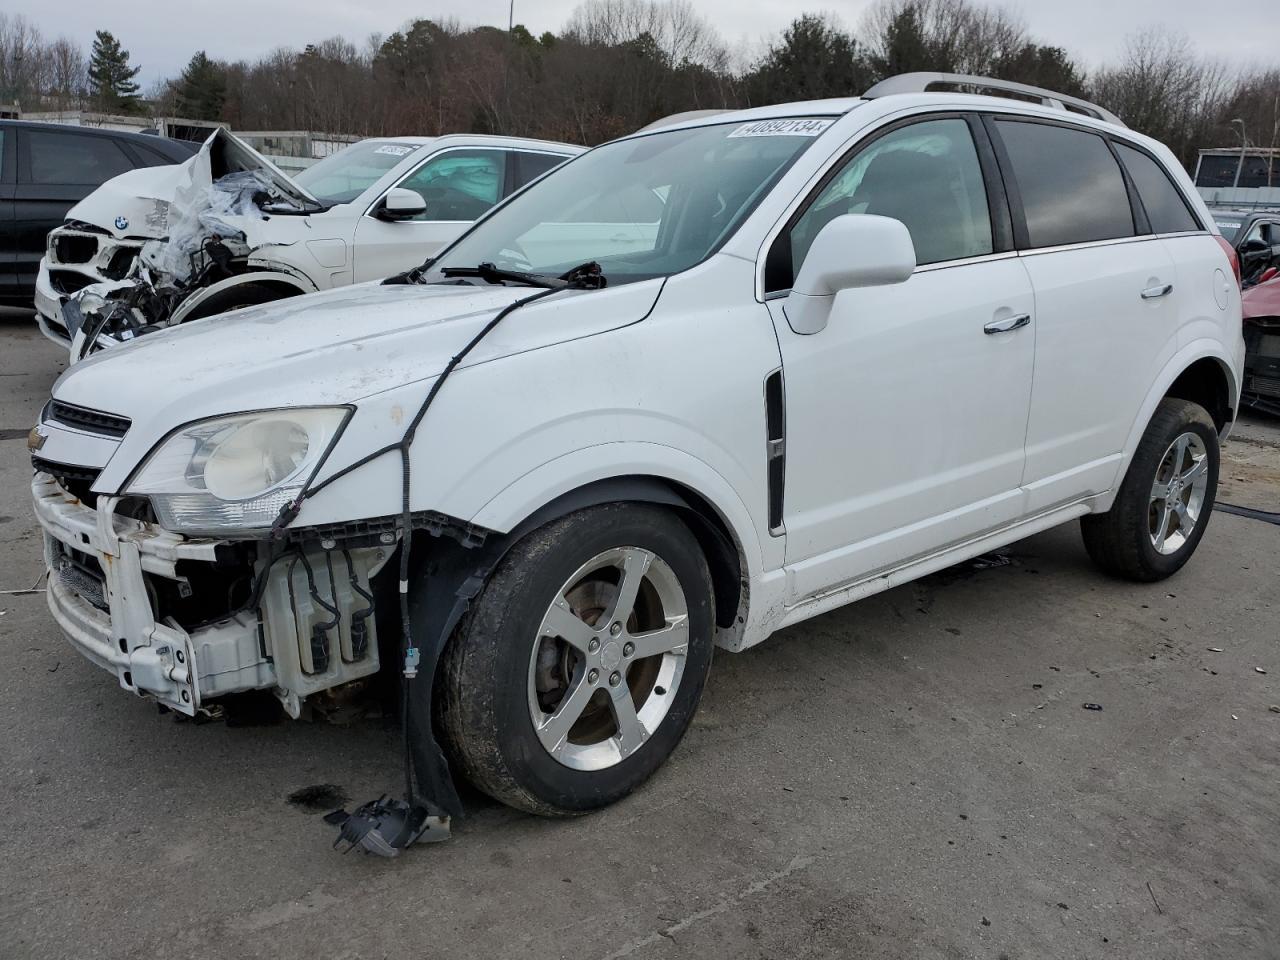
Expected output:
(790, 127)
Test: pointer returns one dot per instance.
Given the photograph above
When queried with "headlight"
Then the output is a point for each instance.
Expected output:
(233, 474)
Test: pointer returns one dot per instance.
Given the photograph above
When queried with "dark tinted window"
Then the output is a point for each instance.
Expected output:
(1071, 186)
(1256, 172)
(74, 159)
(69, 158)
(1166, 209)
(530, 166)
(150, 156)
(1216, 170)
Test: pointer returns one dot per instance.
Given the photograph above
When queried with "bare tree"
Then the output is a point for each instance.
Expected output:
(24, 64)
(952, 36)
(1163, 88)
(67, 74)
(675, 27)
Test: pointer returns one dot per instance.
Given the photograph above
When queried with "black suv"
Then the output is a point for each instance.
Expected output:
(45, 169)
(1256, 236)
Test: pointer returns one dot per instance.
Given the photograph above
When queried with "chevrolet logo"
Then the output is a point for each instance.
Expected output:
(35, 439)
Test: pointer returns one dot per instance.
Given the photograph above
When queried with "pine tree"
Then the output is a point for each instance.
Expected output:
(201, 90)
(111, 83)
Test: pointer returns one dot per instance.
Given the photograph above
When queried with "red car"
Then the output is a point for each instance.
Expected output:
(1262, 343)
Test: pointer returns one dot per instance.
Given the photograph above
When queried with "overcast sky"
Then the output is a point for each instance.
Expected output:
(161, 35)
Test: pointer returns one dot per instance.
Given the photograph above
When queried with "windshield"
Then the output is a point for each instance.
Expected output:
(343, 176)
(1230, 229)
(645, 207)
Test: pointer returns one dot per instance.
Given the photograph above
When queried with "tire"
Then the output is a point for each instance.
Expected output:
(1127, 540)
(502, 672)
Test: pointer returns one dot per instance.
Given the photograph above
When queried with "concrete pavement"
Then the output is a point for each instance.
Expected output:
(910, 777)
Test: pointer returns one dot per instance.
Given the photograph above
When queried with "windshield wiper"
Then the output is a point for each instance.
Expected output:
(585, 276)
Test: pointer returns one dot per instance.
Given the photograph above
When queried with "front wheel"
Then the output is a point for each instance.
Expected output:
(1165, 500)
(582, 662)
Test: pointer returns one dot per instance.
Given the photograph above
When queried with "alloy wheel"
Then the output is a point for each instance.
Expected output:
(608, 658)
(1178, 493)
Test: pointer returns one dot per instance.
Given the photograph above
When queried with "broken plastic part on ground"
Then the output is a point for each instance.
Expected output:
(386, 826)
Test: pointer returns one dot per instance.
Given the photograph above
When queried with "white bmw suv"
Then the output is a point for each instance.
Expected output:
(372, 209)
(693, 386)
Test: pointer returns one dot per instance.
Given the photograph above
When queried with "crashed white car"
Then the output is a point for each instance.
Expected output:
(691, 387)
(228, 229)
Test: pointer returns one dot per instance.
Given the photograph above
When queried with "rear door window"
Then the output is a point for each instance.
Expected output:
(1071, 186)
(74, 159)
(1166, 209)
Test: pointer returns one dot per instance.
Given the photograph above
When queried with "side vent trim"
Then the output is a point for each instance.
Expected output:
(776, 448)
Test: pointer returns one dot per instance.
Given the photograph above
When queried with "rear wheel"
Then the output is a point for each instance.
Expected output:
(583, 660)
(1165, 500)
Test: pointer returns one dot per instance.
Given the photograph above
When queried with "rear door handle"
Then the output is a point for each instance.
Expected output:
(1158, 291)
(1007, 324)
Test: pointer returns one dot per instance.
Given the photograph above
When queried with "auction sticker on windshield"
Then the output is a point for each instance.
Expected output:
(802, 127)
(394, 150)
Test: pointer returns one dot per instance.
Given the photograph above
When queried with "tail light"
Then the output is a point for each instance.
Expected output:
(1230, 251)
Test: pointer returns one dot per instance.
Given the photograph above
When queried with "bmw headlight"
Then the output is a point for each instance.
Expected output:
(233, 474)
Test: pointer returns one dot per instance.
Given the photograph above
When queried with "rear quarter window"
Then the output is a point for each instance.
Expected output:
(1071, 186)
(1166, 209)
(149, 156)
(530, 166)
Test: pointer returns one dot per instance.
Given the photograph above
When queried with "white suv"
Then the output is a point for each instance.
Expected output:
(693, 386)
(372, 209)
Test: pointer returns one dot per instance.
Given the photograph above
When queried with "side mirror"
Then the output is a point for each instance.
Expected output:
(853, 250)
(1254, 247)
(401, 204)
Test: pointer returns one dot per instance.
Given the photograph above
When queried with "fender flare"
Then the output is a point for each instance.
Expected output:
(1204, 349)
(577, 474)
(1200, 349)
(241, 279)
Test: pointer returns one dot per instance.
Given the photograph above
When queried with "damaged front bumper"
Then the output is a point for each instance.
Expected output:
(48, 304)
(112, 580)
(1262, 365)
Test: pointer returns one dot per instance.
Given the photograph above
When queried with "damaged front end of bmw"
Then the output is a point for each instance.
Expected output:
(143, 251)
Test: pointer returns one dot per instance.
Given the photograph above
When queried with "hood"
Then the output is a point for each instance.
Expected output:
(335, 347)
(1262, 300)
(136, 203)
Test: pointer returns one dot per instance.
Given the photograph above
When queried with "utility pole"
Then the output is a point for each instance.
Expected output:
(1244, 145)
(511, 16)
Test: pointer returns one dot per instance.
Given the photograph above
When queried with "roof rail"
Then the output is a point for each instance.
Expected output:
(675, 118)
(923, 82)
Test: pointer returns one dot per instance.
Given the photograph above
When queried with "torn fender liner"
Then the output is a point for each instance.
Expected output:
(447, 579)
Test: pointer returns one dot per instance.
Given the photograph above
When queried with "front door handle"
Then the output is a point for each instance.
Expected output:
(1007, 324)
(1158, 291)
